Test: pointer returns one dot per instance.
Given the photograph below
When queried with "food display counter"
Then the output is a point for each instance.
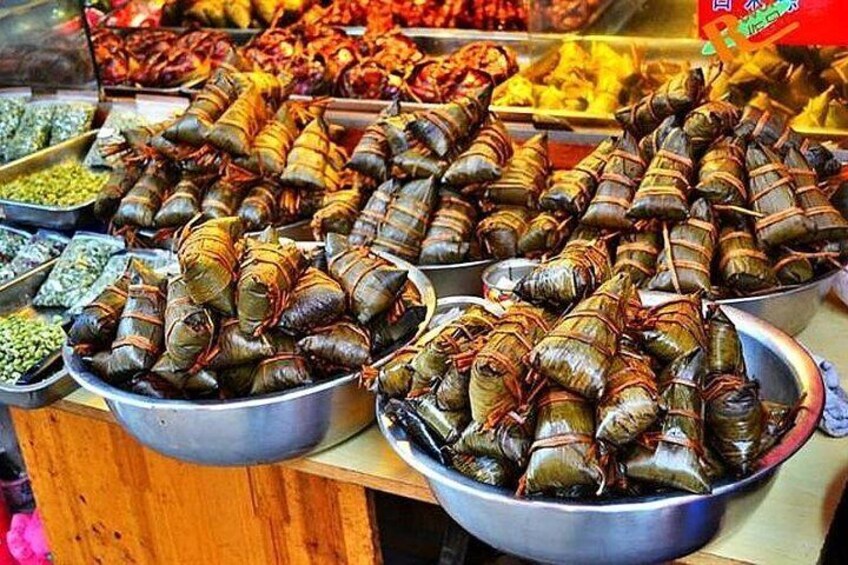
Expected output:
(132, 503)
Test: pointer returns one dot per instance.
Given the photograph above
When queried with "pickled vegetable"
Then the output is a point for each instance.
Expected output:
(66, 184)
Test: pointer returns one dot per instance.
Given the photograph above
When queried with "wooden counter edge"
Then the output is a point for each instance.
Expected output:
(406, 489)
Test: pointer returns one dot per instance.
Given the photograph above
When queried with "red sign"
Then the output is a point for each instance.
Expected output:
(789, 22)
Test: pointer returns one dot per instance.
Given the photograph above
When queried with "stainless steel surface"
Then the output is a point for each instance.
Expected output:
(639, 530)
(448, 280)
(789, 310)
(499, 280)
(248, 431)
(446, 306)
(16, 297)
(53, 217)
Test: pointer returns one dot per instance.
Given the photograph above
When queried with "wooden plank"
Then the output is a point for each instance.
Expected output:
(106, 499)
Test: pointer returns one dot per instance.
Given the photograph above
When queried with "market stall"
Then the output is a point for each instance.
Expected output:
(263, 263)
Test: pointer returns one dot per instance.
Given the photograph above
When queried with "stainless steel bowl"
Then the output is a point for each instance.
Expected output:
(249, 431)
(789, 310)
(448, 280)
(639, 530)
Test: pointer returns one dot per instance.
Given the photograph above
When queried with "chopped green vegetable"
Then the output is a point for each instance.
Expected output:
(10, 243)
(25, 342)
(33, 132)
(66, 184)
(71, 119)
(11, 110)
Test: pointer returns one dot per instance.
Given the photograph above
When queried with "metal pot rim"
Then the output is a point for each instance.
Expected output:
(91, 382)
(809, 414)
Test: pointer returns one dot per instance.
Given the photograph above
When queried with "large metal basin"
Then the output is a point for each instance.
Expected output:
(249, 431)
(638, 530)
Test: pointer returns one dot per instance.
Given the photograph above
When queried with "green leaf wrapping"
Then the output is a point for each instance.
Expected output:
(484, 159)
(316, 300)
(636, 255)
(338, 214)
(563, 459)
(138, 208)
(674, 328)
(139, 338)
(673, 457)
(405, 223)
(525, 176)
(448, 239)
(498, 373)
(663, 191)
(571, 190)
(722, 174)
(708, 122)
(684, 264)
(772, 194)
(621, 176)
(575, 272)
(828, 223)
(629, 404)
(342, 346)
(577, 353)
(208, 259)
(500, 231)
(676, 96)
(742, 265)
(189, 328)
(268, 274)
(371, 283)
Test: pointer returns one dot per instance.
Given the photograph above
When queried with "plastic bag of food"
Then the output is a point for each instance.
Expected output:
(77, 269)
(71, 119)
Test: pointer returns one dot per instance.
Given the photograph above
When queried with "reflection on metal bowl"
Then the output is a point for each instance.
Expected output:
(248, 431)
(638, 530)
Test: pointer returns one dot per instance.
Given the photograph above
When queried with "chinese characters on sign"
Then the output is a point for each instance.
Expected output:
(750, 24)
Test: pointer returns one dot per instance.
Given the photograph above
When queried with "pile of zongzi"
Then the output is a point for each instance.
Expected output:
(451, 188)
(245, 316)
(593, 396)
(241, 148)
(698, 195)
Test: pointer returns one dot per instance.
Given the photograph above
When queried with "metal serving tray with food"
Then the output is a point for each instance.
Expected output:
(34, 190)
(250, 353)
(592, 436)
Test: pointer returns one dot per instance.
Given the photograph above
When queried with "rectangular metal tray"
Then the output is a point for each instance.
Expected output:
(651, 49)
(433, 42)
(16, 297)
(53, 217)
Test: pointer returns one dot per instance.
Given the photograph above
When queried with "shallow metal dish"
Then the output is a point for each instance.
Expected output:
(789, 310)
(639, 530)
(249, 431)
(16, 297)
(448, 280)
(54, 217)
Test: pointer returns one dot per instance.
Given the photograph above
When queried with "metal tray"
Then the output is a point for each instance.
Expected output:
(53, 217)
(652, 49)
(448, 280)
(638, 530)
(249, 431)
(433, 42)
(16, 298)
